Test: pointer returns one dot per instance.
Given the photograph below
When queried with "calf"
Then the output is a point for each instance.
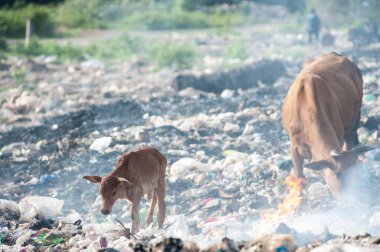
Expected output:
(321, 114)
(136, 173)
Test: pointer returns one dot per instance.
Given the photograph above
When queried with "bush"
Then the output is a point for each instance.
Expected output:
(78, 13)
(237, 50)
(13, 21)
(119, 48)
(36, 48)
(173, 55)
(164, 20)
(90, 13)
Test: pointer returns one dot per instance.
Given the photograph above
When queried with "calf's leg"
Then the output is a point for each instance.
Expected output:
(160, 192)
(149, 217)
(135, 210)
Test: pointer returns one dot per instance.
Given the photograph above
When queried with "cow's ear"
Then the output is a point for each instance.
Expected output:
(357, 151)
(318, 165)
(93, 179)
(124, 182)
(361, 149)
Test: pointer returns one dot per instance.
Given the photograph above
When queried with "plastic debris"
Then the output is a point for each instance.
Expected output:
(32, 206)
(48, 239)
(101, 144)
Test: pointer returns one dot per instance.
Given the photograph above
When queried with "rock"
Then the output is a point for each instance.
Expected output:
(92, 64)
(6, 114)
(142, 136)
(26, 102)
(228, 93)
(363, 135)
(375, 220)
(271, 243)
(40, 144)
(327, 39)
(185, 166)
(317, 192)
(226, 245)
(266, 71)
(342, 248)
(101, 144)
(231, 128)
(173, 244)
(24, 237)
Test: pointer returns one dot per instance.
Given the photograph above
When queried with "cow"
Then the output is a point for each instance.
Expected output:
(321, 115)
(136, 173)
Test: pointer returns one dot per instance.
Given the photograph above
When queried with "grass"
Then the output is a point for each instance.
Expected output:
(296, 23)
(18, 75)
(177, 20)
(170, 54)
(35, 48)
(165, 54)
(120, 48)
(237, 50)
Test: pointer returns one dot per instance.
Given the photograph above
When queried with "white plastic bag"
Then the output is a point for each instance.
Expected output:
(32, 206)
(8, 206)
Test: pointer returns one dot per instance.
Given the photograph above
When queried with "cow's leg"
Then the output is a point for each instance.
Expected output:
(160, 191)
(137, 195)
(297, 162)
(149, 217)
(333, 183)
(351, 139)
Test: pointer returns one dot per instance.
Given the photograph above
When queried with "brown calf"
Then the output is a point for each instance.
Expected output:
(136, 173)
(321, 114)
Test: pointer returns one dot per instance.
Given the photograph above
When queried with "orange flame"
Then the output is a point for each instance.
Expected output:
(292, 200)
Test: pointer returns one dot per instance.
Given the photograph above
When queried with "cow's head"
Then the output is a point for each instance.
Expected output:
(111, 189)
(334, 167)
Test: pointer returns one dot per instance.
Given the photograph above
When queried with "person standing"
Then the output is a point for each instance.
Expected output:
(313, 25)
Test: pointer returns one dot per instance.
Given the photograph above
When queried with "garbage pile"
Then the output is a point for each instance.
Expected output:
(228, 161)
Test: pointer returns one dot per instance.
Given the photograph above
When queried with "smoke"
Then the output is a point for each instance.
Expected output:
(350, 216)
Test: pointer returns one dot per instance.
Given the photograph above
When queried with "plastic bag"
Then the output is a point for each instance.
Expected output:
(32, 206)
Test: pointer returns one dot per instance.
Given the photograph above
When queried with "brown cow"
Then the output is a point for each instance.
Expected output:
(321, 114)
(136, 173)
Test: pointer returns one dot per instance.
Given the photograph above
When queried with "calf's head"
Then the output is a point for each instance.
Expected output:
(336, 166)
(111, 189)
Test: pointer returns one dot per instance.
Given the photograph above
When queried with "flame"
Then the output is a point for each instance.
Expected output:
(292, 200)
(270, 218)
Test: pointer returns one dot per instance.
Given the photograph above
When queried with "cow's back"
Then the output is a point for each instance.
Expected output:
(323, 102)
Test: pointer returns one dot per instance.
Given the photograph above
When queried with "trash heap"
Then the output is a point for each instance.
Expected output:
(227, 152)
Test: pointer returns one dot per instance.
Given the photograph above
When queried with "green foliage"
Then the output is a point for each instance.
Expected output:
(79, 13)
(13, 21)
(120, 48)
(3, 43)
(171, 54)
(237, 50)
(345, 13)
(295, 23)
(36, 48)
(179, 19)
(18, 75)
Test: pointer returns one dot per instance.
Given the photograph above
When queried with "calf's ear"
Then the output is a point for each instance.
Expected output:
(318, 165)
(124, 181)
(93, 179)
